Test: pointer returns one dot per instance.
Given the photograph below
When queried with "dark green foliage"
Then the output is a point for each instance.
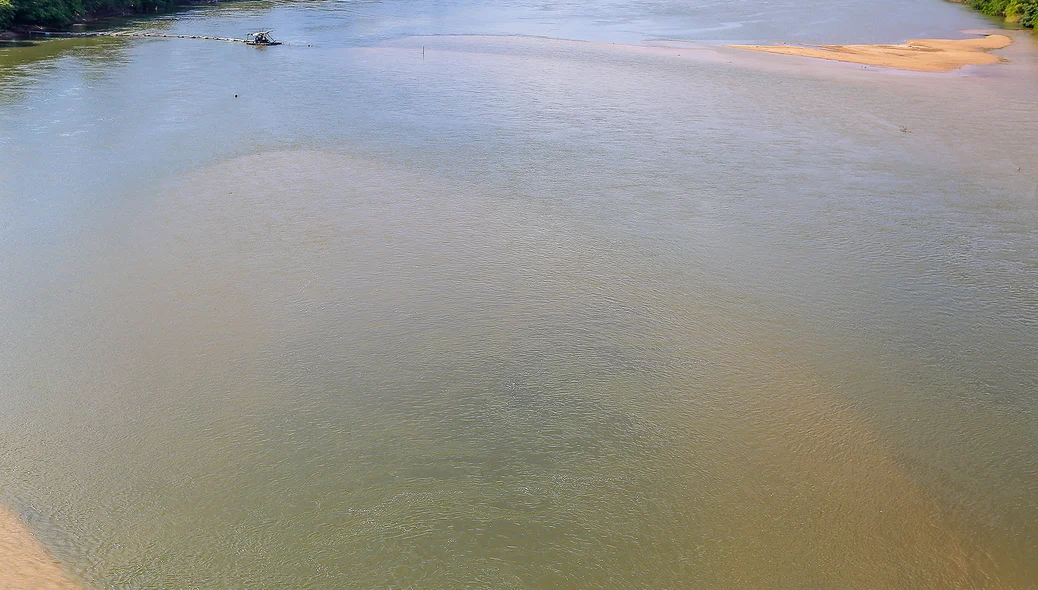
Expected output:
(46, 12)
(991, 7)
(57, 13)
(6, 14)
(1029, 16)
(1023, 11)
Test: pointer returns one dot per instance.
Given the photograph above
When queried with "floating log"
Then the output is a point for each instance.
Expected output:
(65, 34)
(260, 39)
(166, 36)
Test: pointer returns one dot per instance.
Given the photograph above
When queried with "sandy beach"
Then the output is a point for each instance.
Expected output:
(24, 563)
(918, 55)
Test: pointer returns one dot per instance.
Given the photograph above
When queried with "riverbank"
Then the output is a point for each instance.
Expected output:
(1021, 12)
(24, 563)
(918, 55)
(18, 18)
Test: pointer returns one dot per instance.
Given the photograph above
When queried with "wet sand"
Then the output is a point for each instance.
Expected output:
(24, 563)
(918, 55)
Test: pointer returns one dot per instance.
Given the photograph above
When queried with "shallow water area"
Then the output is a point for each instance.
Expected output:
(441, 301)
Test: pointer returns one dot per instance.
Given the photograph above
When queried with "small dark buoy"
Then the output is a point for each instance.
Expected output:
(235, 96)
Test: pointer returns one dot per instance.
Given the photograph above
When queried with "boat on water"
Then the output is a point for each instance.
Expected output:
(260, 38)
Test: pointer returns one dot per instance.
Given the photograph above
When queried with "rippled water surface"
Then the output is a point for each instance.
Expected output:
(508, 294)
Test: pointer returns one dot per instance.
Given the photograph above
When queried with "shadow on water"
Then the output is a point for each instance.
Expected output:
(19, 59)
(23, 57)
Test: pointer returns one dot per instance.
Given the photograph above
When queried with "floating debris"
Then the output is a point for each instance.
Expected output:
(261, 38)
(168, 36)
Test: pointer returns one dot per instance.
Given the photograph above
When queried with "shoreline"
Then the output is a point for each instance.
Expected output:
(24, 561)
(915, 55)
(22, 31)
(826, 65)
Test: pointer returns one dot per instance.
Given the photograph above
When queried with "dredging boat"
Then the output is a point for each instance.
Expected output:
(260, 38)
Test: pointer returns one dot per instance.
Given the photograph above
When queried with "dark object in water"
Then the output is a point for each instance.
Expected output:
(62, 34)
(260, 38)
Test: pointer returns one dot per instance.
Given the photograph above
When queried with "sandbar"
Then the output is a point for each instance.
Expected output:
(917, 55)
(24, 562)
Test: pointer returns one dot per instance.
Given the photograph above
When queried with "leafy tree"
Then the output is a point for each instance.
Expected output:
(1023, 11)
(1029, 14)
(6, 14)
(64, 12)
(45, 12)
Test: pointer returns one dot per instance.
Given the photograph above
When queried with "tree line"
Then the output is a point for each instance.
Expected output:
(60, 13)
(1024, 12)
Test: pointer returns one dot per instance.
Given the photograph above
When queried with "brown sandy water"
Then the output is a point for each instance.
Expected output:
(520, 313)
(24, 563)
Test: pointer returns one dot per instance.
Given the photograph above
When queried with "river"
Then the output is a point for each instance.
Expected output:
(517, 294)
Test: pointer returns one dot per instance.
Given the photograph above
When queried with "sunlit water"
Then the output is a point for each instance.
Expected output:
(420, 308)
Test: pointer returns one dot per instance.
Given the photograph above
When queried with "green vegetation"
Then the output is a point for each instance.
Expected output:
(1024, 12)
(58, 13)
(6, 14)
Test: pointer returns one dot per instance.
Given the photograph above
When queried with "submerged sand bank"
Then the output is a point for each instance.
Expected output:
(918, 55)
(24, 563)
